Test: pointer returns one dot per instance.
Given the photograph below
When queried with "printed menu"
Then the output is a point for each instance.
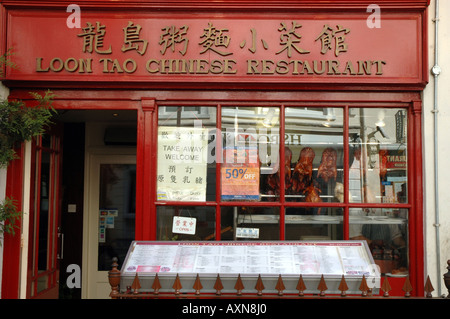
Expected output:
(265, 258)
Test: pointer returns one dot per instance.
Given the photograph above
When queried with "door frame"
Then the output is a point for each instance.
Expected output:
(51, 274)
(91, 277)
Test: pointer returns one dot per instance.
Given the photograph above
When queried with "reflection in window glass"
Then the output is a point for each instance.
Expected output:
(251, 151)
(204, 220)
(44, 213)
(314, 223)
(117, 207)
(378, 155)
(314, 154)
(186, 154)
(386, 233)
(250, 223)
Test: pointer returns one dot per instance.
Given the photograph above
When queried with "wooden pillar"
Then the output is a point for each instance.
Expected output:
(146, 171)
(416, 199)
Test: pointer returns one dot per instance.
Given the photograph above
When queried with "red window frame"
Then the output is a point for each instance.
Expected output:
(51, 273)
(147, 171)
(282, 203)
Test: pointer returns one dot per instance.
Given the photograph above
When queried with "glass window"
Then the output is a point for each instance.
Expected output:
(250, 168)
(313, 154)
(314, 223)
(186, 155)
(116, 212)
(203, 219)
(386, 233)
(250, 223)
(232, 157)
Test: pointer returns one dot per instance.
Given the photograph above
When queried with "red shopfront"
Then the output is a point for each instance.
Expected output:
(223, 93)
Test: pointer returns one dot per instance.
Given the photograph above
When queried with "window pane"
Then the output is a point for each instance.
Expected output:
(45, 190)
(314, 223)
(250, 223)
(314, 153)
(386, 232)
(204, 219)
(116, 212)
(378, 155)
(251, 149)
(42, 283)
(187, 154)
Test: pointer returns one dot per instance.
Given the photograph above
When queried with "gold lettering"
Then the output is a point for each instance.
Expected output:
(201, 66)
(39, 66)
(333, 67)
(228, 67)
(322, 70)
(252, 66)
(349, 67)
(67, 65)
(266, 68)
(163, 66)
(105, 64)
(295, 63)
(364, 67)
(116, 65)
(216, 67)
(379, 64)
(133, 63)
(191, 66)
(149, 68)
(85, 64)
(60, 66)
(308, 68)
(282, 67)
(180, 66)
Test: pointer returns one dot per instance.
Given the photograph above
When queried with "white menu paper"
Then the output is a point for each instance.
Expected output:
(266, 258)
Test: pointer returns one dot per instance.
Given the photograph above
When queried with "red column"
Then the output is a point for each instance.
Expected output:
(145, 171)
(11, 244)
(416, 215)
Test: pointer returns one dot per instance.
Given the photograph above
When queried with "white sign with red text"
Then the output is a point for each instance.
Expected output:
(184, 225)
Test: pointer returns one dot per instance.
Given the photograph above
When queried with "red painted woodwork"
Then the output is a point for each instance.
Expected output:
(50, 275)
(259, 52)
(12, 246)
(401, 42)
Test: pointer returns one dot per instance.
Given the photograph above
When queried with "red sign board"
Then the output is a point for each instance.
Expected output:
(229, 47)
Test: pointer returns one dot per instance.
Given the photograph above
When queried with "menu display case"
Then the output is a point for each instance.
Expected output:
(250, 260)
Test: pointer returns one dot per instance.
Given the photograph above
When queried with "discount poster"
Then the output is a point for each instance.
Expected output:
(240, 173)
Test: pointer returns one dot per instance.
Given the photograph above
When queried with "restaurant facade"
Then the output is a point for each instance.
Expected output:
(218, 121)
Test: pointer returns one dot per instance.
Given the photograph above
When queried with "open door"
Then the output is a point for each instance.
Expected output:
(45, 238)
(109, 219)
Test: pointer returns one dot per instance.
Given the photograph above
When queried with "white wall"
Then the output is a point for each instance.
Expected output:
(443, 131)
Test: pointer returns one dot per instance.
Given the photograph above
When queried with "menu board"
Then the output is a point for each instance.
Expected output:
(349, 258)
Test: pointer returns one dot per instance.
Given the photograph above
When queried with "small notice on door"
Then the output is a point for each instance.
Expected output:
(184, 225)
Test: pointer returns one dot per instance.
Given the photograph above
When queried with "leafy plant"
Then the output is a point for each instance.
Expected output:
(5, 61)
(9, 214)
(19, 123)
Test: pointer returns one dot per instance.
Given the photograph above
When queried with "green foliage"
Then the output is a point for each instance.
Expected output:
(9, 215)
(19, 123)
(5, 61)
